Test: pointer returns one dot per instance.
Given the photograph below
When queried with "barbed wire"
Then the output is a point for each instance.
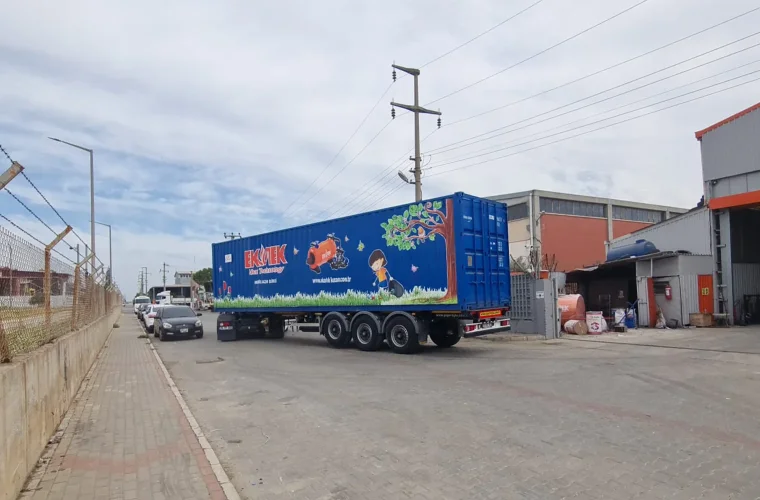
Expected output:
(6, 153)
(35, 238)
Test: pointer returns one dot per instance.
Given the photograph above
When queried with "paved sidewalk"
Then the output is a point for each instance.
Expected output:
(125, 435)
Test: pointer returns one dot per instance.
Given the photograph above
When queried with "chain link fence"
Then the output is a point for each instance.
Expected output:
(43, 298)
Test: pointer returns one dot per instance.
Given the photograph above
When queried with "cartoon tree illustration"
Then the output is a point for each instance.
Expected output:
(421, 223)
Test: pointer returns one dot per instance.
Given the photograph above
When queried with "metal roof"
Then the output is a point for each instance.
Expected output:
(630, 260)
(699, 134)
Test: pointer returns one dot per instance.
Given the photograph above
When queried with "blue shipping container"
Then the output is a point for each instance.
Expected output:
(445, 254)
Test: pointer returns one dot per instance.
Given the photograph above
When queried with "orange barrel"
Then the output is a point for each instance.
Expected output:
(576, 326)
(572, 306)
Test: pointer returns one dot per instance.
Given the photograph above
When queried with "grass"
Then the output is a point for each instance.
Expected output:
(350, 298)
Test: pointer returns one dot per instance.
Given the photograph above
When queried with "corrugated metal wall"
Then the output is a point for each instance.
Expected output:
(732, 149)
(523, 291)
(689, 296)
(746, 278)
(689, 232)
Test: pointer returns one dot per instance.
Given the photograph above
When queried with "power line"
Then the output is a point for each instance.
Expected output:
(458, 144)
(436, 59)
(366, 117)
(373, 183)
(349, 163)
(540, 53)
(526, 9)
(563, 125)
(595, 73)
(600, 128)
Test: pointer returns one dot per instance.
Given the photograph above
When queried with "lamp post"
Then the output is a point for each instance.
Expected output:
(92, 195)
(110, 252)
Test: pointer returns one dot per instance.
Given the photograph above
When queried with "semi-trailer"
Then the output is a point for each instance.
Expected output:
(436, 269)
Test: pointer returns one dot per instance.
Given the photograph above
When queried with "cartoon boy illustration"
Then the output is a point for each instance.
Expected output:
(377, 263)
(383, 279)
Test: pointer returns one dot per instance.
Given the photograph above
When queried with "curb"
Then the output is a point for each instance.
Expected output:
(224, 481)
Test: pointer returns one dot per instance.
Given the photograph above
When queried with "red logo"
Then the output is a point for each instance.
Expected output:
(265, 256)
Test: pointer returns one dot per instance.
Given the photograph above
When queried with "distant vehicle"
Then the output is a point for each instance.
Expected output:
(177, 321)
(140, 299)
(149, 315)
(164, 298)
(436, 269)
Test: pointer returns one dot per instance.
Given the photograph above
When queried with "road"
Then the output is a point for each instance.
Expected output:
(294, 418)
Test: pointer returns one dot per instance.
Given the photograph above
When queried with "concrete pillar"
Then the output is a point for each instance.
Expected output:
(609, 220)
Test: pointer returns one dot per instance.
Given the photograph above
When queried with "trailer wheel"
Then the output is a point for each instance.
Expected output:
(366, 334)
(445, 333)
(402, 335)
(335, 329)
(276, 329)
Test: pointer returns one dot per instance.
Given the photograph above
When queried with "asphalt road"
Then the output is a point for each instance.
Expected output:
(296, 419)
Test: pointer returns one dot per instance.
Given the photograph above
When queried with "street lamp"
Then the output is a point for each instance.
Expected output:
(110, 251)
(92, 195)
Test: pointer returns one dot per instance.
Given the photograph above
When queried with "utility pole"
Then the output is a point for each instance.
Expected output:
(231, 236)
(416, 109)
(163, 271)
(144, 275)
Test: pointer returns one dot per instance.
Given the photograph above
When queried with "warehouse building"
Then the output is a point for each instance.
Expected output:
(566, 231)
(718, 244)
(731, 175)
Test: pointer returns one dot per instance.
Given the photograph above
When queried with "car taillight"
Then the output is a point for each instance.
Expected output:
(504, 322)
(225, 323)
(152, 315)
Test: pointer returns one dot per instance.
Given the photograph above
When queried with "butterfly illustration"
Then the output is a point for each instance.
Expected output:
(414, 268)
(361, 246)
(220, 269)
(231, 275)
(295, 251)
(346, 238)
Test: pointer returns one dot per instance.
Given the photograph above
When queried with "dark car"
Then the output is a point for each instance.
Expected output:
(177, 321)
(141, 309)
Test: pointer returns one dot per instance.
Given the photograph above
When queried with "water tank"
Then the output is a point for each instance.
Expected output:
(638, 249)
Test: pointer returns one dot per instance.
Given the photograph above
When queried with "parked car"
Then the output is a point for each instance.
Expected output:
(149, 315)
(140, 310)
(177, 321)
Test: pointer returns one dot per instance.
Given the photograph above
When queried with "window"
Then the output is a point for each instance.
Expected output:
(176, 312)
(566, 207)
(519, 211)
(636, 214)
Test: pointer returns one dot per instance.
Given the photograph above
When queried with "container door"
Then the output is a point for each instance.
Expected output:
(485, 248)
(705, 286)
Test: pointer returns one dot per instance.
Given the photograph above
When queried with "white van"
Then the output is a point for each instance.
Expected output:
(140, 299)
(164, 298)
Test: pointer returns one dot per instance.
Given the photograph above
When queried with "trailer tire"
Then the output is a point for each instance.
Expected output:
(445, 333)
(335, 329)
(276, 328)
(366, 334)
(402, 335)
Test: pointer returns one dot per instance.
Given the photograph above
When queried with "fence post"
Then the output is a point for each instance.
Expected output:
(5, 352)
(77, 286)
(46, 287)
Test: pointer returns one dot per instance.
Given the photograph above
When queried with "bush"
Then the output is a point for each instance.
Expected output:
(36, 300)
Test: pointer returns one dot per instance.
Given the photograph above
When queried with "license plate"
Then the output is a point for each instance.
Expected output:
(183, 330)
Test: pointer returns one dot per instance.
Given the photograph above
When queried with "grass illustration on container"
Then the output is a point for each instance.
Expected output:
(351, 298)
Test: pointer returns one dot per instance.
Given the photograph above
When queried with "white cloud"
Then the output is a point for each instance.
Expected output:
(208, 118)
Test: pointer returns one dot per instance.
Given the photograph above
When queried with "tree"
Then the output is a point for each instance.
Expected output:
(421, 223)
(203, 277)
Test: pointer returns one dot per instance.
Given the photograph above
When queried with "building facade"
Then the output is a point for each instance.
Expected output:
(730, 152)
(183, 278)
(567, 231)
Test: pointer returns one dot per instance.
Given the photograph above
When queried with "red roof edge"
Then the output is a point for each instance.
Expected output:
(731, 118)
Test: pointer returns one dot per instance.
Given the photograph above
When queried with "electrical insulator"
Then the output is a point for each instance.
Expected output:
(439, 122)
(393, 113)
(394, 75)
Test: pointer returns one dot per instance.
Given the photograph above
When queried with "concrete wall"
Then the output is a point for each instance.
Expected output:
(35, 392)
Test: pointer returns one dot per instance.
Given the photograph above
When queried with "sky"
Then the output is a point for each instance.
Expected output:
(209, 118)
